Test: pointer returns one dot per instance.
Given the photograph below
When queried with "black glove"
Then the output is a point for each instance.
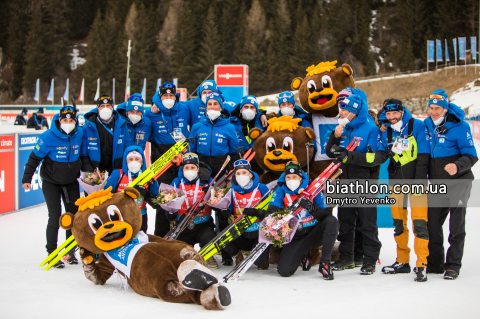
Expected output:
(340, 153)
(170, 216)
(306, 204)
(205, 188)
(142, 190)
(225, 213)
(251, 212)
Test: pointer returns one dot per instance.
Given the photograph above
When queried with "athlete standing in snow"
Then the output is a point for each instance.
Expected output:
(139, 126)
(60, 148)
(452, 155)
(286, 103)
(355, 121)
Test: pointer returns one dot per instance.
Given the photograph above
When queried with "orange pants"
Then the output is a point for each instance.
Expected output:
(419, 210)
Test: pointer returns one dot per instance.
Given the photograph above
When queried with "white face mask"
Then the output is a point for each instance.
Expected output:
(243, 180)
(293, 184)
(134, 166)
(343, 121)
(168, 103)
(67, 128)
(105, 113)
(287, 111)
(248, 114)
(190, 175)
(134, 118)
(204, 99)
(397, 126)
(439, 120)
(213, 115)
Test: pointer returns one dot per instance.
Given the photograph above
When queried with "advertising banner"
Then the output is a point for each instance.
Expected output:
(473, 43)
(7, 173)
(431, 51)
(439, 51)
(462, 48)
(455, 48)
(232, 80)
(35, 195)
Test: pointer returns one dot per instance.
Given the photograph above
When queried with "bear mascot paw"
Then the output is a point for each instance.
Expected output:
(109, 224)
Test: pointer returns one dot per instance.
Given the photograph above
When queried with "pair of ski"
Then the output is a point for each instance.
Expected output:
(197, 207)
(148, 177)
(315, 188)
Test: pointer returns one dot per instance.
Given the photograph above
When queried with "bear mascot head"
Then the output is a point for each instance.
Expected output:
(319, 89)
(283, 141)
(109, 224)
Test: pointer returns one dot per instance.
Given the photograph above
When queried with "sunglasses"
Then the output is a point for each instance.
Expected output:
(212, 94)
(392, 107)
(67, 109)
(343, 104)
(190, 156)
(167, 86)
(241, 163)
(436, 96)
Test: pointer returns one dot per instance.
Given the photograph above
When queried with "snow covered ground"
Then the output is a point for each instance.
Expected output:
(26, 291)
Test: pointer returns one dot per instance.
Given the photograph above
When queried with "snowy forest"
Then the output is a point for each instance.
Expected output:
(185, 39)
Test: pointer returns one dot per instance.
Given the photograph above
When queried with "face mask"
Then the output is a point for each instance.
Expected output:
(204, 99)
(190, 175)
(248, 114)
(105, 113)
(67, 128)
(293, 184)
(397, 126)
(134, 118)
(213, 115)
(168, 103)
(344, 121)
(25, 117)
(243, 180)
(439, 120)
(134, 166)
(287, 111)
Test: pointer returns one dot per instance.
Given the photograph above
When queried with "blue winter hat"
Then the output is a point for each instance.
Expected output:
(135, 103)
(215, 96)
(438, 97)
(286, 96)
(249, 99)
(351, 104)
(207, 85)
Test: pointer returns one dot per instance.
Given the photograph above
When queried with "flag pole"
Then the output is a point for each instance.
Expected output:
(128, 66)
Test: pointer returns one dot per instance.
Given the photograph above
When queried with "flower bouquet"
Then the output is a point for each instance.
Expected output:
(169, 198)
(277, 237)
(219, 198)
(92, 181)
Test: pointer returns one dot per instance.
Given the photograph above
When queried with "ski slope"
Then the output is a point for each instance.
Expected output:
(27, 291)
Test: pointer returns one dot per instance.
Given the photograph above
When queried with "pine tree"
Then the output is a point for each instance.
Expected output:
(303, 44)
(17, 30)
(228, 29)
(210, 50)
(61, 34)
(38, 48)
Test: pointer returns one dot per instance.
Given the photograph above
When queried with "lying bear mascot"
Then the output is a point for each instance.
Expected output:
(109, 224)
(282, 142)
(318, 92)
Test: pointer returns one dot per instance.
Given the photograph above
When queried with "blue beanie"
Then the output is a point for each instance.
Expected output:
(207, 85)
(135, 103)
(352, 104)
(286, 96)
(443, 102)
(249, 99)
(215, 96)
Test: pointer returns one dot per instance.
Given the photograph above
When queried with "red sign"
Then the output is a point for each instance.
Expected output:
(7, 173)
(183, 94)
(228, 75)
(10, 117)
(476, 129)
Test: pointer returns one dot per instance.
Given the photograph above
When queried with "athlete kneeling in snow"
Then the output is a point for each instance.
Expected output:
(247, 190)
(317, 225)
(193, 178)
(60, 148)
(133, 166)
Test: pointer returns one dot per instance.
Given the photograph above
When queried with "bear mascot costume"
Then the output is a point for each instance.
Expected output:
(318, 95)
(282, 142)
(109, 224)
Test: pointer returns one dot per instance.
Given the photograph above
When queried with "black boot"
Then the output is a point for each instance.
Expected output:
(306, 262)
(421, 274)
(343, 264)
(397, 268)
(367, 269)
(450, 275)
(326, 270)
(70, 257)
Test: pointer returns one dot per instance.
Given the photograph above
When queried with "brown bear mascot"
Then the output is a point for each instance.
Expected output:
(318, 93)
(283, 141)
(109, 224)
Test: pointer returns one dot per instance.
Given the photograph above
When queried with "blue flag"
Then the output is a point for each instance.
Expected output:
(50, 93)
(455, 48)
(473, 43)
(431, 51)
(447, 56)
(462, 48)
(439, 51)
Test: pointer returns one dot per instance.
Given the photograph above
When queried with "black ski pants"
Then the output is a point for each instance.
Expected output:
(325, 232)
(365, 220)
(201, 234)
(456, 238)
(53, 193)
(247, 244)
